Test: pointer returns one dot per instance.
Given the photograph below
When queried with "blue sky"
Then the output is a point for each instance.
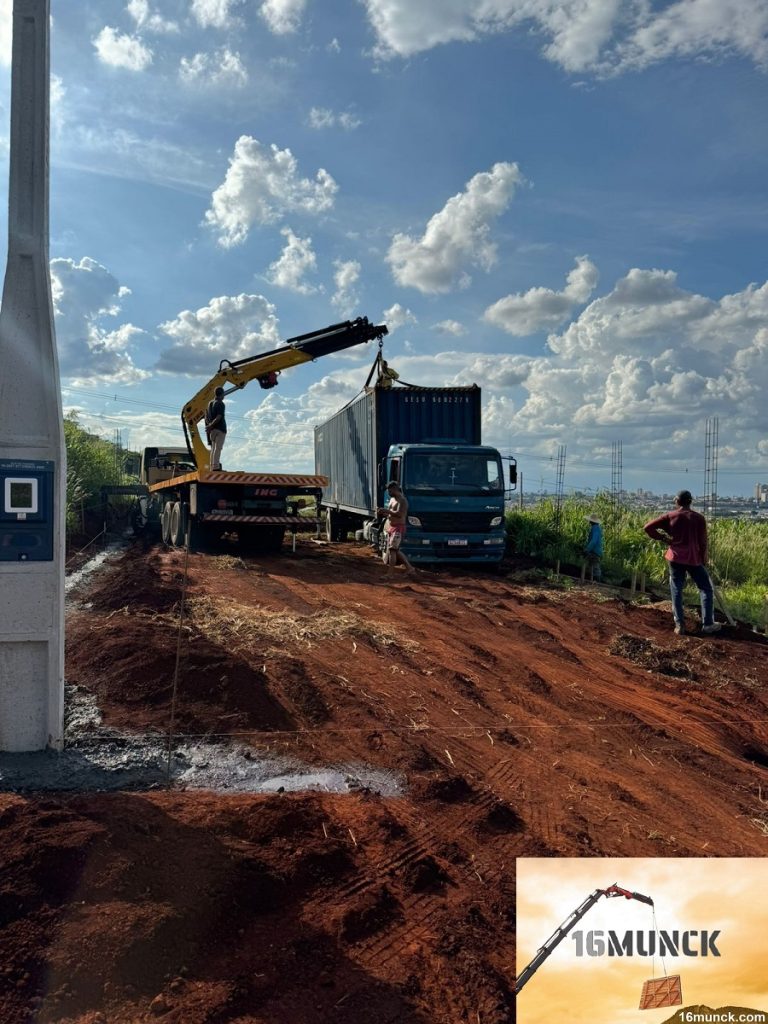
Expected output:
(563, 201)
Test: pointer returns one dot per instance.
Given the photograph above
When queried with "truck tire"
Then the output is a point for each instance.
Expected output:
(178, 525)
(335, 525)
(165, 522)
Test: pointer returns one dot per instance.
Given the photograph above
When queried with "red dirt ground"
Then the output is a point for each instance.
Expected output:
(523, 719)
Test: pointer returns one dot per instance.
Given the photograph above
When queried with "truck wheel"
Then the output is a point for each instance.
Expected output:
(178, 525)
(165, 522)
(331, 529)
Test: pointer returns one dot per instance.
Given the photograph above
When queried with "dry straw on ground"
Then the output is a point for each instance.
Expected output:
(244, 627)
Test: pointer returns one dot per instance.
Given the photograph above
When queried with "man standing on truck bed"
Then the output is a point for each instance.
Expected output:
(686, 533)
(216, 427)
(396, 513)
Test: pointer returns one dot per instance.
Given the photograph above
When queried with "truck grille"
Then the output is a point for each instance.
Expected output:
(455, 522)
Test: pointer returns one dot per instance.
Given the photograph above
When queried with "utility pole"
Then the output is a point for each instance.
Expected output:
(32, 456)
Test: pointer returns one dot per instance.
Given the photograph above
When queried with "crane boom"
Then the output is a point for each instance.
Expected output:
(233, 376)
(560, 933)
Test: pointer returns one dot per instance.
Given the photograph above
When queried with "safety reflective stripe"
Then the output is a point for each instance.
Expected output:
(223, 517)
(286, 480)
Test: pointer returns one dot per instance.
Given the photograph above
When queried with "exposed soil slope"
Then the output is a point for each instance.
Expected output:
(524, 721)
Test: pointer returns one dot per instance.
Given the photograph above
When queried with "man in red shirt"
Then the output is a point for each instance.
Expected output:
(686, 533)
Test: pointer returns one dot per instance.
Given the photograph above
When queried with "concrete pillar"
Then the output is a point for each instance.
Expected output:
(32, 456)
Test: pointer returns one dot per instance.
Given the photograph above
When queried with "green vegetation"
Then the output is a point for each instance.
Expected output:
(738, 549)
(91, 463)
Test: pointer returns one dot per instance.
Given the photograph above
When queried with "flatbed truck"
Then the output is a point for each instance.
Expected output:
(190, 505)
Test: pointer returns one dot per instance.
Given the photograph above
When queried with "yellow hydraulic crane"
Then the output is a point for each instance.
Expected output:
(265, 367)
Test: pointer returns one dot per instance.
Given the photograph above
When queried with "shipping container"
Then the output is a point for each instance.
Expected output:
(351, 446)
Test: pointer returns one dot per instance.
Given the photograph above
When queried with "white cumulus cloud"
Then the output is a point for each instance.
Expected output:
(690, 28)
(121, 51)
(542, 308)
(397, 316)
(450, 327)
(84, 295)
(457, 235)
(580, 35)
(222, 67)
(282, 16)
(322, 117)
(229, 327)
(346, 277)
(261, 184)
(649, 362)
(296, 260)
(149, 20)
(213, 13)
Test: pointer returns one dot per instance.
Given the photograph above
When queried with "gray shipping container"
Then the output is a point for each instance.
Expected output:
(351, 444)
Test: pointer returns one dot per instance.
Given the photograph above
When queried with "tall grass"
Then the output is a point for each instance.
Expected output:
(738, 549)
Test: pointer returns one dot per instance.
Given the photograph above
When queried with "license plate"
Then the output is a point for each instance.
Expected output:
(456, 543)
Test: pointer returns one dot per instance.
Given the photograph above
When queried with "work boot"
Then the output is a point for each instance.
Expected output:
(715, 627)
(679, 629)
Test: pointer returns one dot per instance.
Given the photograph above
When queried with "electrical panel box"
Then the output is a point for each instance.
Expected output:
(26, 510)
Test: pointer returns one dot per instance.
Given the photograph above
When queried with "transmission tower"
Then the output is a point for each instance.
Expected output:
(710, 472)
(559, 487)
(710, 466)
(617, 466)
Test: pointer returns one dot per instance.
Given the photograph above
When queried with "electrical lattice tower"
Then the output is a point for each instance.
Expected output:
(559, 488)
(616, 476)
(711, 442)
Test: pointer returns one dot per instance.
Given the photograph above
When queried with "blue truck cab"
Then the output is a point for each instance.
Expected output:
(455, 501)
(428, 440)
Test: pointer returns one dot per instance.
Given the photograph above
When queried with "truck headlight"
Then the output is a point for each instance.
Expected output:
(414, 521)
(497, 521)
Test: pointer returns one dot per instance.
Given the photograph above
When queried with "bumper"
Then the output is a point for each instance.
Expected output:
(421, 547)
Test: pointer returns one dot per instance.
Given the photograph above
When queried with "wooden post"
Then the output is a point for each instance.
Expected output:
(642, 582)
(634, 583)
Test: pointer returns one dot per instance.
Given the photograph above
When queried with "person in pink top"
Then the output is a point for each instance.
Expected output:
(685, 531)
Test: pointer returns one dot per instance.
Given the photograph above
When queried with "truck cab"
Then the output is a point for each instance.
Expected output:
(455, 501)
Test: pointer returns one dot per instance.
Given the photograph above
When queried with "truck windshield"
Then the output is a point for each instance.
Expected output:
(453, 473)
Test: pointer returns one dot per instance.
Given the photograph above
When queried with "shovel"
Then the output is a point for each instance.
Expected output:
(723, 606)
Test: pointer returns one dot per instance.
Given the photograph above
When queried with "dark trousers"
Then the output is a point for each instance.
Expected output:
(700, 576)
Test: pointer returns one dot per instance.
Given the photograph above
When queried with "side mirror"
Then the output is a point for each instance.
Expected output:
(513, 473)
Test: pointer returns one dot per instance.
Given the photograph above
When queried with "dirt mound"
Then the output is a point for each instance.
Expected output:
(139, 582)
(653, 657)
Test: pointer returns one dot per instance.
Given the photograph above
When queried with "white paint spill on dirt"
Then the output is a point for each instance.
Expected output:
(123, 762)
(83, 574)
